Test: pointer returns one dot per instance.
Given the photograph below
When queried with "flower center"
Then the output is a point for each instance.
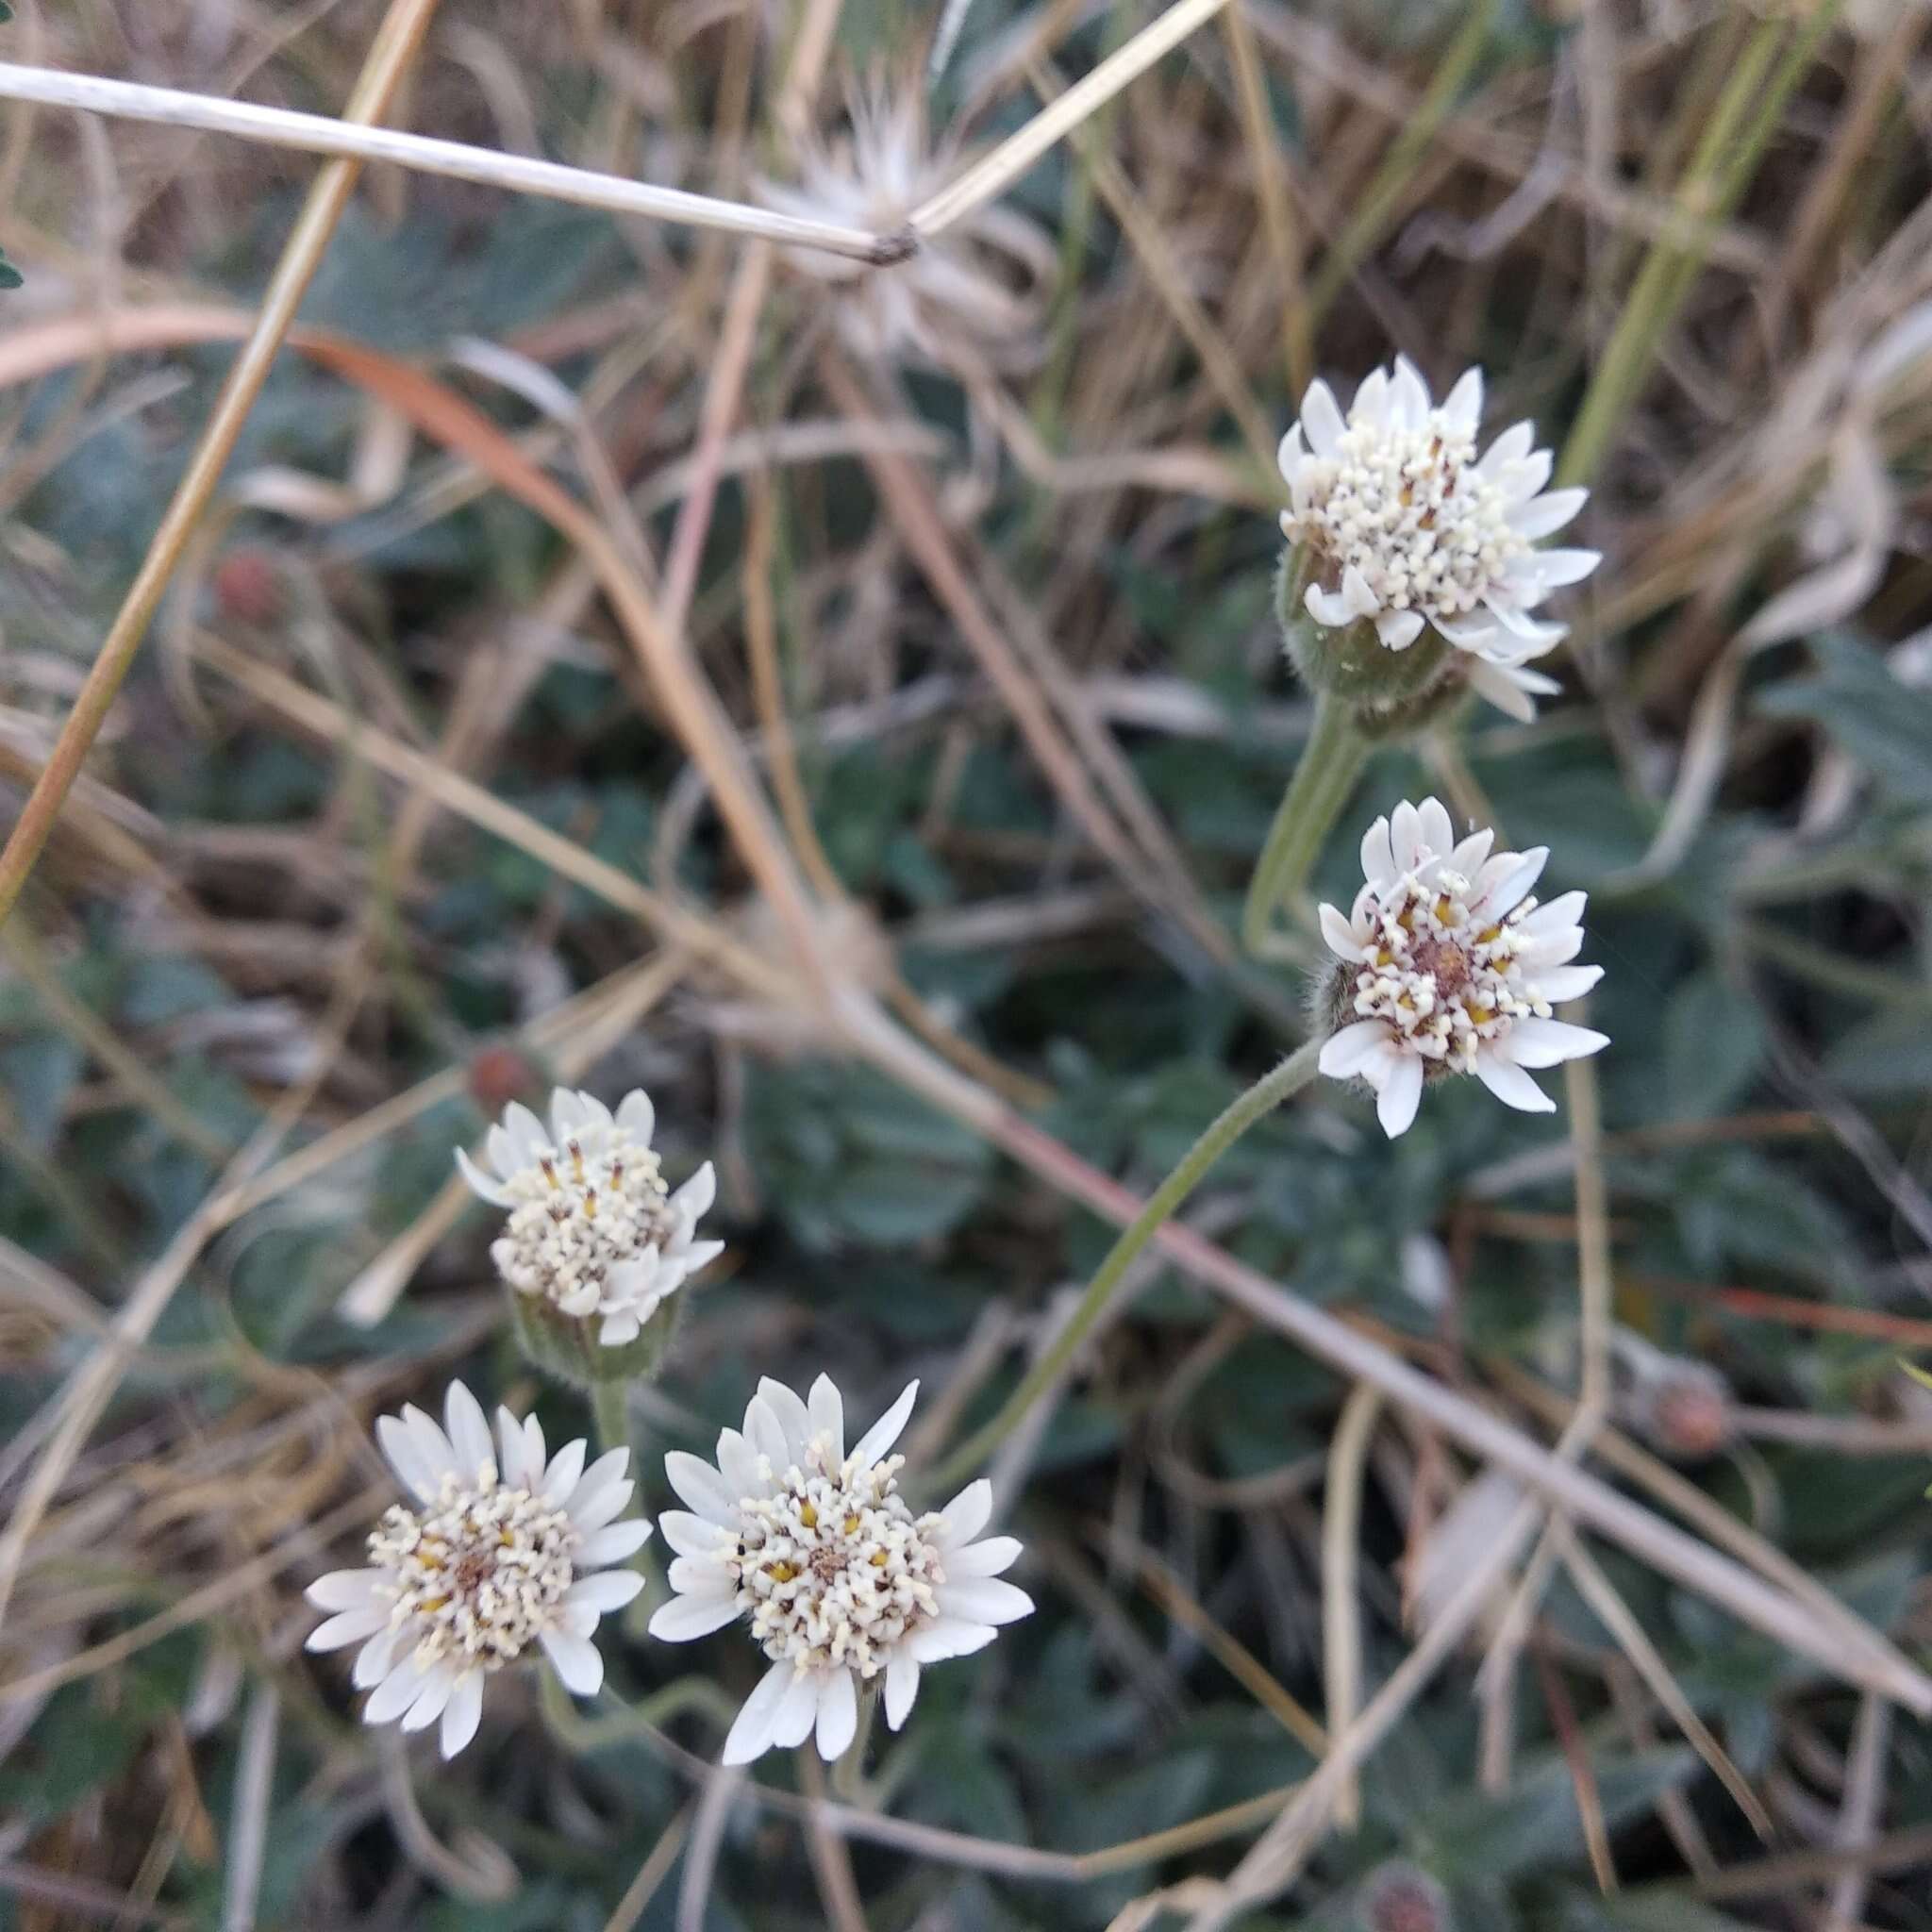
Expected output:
(1442, 982)
(579, 1211)
(1409, 509)
(834, 1569)
(479, 1573)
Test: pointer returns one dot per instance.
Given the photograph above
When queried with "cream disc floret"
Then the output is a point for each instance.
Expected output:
(498, 1548)
(1402, 525)
(592, 1230)
(838, 1581)
(1448, 965)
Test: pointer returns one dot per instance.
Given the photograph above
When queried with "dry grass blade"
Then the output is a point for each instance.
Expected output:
(1601, 1595)
(1279, 1854)
(516, 174)
(1342, 1637)
(996, 171)
(403, 27)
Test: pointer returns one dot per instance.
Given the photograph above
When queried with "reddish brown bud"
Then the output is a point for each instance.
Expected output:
(1400, 1898)
(248, 586)
(1689, 1412)
(499, 1075)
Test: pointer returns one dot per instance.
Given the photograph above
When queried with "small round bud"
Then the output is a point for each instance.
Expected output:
(248, 586)
(1400, 1897)
(1684, 1408)
(499, 1075)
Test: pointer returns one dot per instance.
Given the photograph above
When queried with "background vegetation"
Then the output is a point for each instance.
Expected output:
(409, 806)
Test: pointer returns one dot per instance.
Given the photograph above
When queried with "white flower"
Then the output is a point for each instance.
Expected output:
(974, 288)
(839, 1580)
(1450, 966)
(592, 1229)
(1405, 527)
(495, 1551)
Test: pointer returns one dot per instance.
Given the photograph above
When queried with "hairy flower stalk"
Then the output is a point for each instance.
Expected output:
(843, 1587)
(500, 1547)
(596, 1242)
(1445, 964)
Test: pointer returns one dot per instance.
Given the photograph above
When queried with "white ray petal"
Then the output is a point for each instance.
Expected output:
(463, 1713)
(1321, 420)
(1463, 405)
(967, 1514)
(684, 1618)
(578, 1661)
(428, 1706)
(827, 1409)
(1545, 515)
(988, 1558)
(347, 1627)
(1343, 1051)
(480, 1183)
(1401, 1093)
(984, 1600)
(637, 1116)
(750, 1736)
(793, 1415)
(798, 1711)
(1327, 607)
(701, 1488)
(566, 1466)
(375, 1659)
(527, 1138)
(1405, 835)
(605, 1591)
(902, 1687)
(1547, 1043)
(696, 1195)
(1340, 935)
(838, 1714)
(393, 1695)
(877, 1440)
(1438, 833)
(1378, 860)
(690, 1536)
(1511, 1084)
(947, 1636)
(614, 1542)
(344, 1589)
(1564, 983)
(469, 1432)
(1398, 629)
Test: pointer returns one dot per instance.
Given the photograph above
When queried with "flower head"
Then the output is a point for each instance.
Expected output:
(1405, 526)
(592, 1229)
(969, 293)
(839, 1581)
(1449, 966)
(498, 1548)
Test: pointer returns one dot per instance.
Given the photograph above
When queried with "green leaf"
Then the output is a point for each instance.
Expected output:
(10, 277)
(1644, 1911)
(1713, 1042)
(1535, 1822)
(848, 1157)
(1889, 1054)
(1883, 724)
